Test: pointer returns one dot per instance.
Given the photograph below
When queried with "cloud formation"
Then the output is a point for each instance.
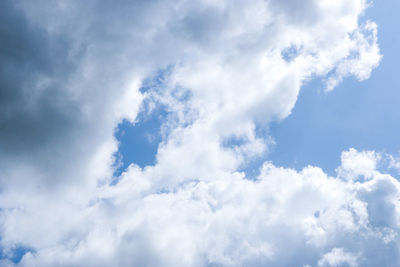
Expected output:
(222, 70)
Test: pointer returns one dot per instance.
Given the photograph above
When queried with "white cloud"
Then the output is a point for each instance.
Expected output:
(363, 56)
(338, 257)
(356, 164)
(284, 217)
(394, 163)
(225, 75)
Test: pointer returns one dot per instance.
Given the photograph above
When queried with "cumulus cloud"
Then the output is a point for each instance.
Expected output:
(71, 71)
(355, 164)
(338, 257)
(282, 218)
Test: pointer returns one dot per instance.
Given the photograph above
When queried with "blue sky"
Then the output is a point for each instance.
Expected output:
(199, 133)
(363, 115)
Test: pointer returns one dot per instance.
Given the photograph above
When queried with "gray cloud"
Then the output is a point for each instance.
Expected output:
(72, 70)
(34, 69)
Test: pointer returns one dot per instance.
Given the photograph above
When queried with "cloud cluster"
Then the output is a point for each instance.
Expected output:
(282, 218)
(71, 71)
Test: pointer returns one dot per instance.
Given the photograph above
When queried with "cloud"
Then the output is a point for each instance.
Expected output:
(355, 164)
(74, 70)
(282, 218)
(338, 257)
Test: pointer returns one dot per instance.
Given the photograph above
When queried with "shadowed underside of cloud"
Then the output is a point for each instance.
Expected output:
(72, 71)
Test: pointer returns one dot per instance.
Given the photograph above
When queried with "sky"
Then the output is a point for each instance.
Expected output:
(360, 115)
(199, 133)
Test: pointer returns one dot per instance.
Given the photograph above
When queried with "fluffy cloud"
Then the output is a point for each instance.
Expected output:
(71, 71)
(355, 164)
(282, 218)
(338, 257)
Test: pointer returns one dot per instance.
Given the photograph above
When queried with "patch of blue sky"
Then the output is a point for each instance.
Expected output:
(290, 53)
(364, 115)
(16, 254)
(138, 141)
(156, 82)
